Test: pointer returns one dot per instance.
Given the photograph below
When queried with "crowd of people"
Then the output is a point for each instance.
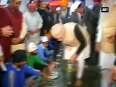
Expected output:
(31, 33)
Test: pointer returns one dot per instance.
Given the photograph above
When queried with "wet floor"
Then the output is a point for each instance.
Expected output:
(91, 77)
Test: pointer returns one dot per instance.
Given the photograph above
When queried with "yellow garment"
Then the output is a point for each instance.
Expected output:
(109, 29)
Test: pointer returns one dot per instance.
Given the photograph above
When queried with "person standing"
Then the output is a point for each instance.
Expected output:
(79, 13)
(106, 39)
(34, 23)
(47, 18)
(94, 18)
(6, 33)
(76, 40)
(17, 69)
(14, 21)
(18, 24)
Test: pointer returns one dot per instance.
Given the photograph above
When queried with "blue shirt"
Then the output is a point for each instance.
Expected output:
(18, 75)
(43, 53)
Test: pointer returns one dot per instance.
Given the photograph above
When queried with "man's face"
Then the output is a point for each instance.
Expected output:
(45, 44)
(16, 4)
(80, 9)
(32, 7)
(43, 5)
(20, 64)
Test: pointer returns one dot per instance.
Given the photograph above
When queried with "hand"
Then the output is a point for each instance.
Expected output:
(7, 31)
(51, 67)
(16, 41)
(36, 31)
(73, 58)
(1, 59)
(44, 75)
(98, 46)
(30, 33)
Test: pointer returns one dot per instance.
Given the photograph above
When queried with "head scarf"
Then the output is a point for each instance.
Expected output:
(74, 6)
(31, 5)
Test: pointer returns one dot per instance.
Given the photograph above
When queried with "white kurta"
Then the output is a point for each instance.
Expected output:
(34, 21)
(72, 44)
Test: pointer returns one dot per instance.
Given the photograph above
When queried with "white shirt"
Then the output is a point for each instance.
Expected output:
(33, 20)
(99, 33)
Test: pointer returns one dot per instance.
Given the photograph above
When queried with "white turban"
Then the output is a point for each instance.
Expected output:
(74, 6)
(32, 47)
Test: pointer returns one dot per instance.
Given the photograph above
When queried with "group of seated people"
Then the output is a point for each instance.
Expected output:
(29, 66)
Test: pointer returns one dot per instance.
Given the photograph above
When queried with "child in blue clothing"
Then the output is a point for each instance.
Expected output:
(17, 69)
(43, 51)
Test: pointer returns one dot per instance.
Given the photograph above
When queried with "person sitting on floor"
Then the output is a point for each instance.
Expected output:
(16, 70)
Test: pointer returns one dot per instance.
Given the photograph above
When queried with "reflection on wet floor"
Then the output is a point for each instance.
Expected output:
(91, 77)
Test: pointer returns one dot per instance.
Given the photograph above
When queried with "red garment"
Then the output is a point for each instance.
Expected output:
(5, 41)
(15, 21)
(97, 0)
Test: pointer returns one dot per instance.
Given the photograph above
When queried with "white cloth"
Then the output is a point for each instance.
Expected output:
(99, 33)
(69, 51)
(106, 60)
(1, 53)
(74, 6)
(80, 68)
(105, 77)
(34, 21)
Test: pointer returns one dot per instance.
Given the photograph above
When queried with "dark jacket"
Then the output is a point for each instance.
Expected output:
(47, 21)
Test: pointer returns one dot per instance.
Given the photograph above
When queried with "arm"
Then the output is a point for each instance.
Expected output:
(22, 33)
(32, 71)
(40, 22)
(6, 31)
(39, 61)
(81, 39)
(99, 36)
(29, 70)
(24, 29)
(41, 54)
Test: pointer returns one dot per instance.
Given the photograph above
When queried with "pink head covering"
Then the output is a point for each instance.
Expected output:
(31, 5)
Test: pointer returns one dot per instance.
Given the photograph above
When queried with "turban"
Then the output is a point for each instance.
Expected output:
(74, 6)
(32, 47)
(31, 5)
